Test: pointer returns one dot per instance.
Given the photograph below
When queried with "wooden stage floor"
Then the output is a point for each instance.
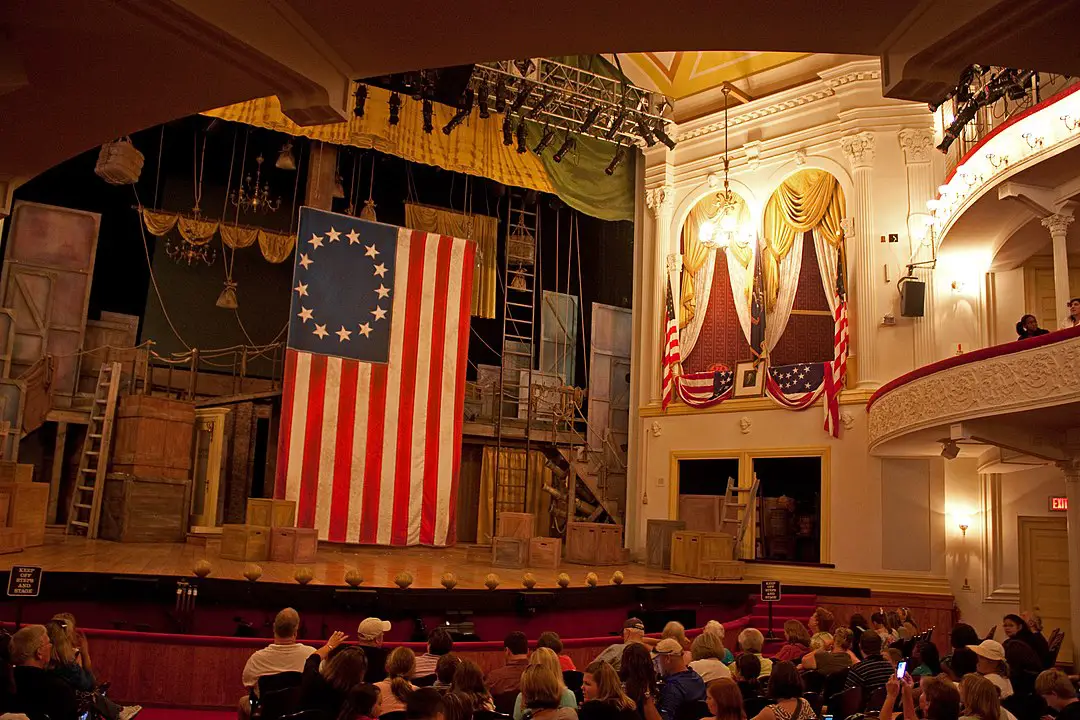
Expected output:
(379, 566)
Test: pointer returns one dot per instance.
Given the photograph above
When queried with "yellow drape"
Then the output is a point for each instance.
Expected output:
(482, 229)
(238, 237)
(807, 200)
(276, 247)
(695, 253)
(159, 223)
(474, 148)
(538, 501)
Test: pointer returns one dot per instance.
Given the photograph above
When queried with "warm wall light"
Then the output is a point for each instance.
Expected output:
(963, 521)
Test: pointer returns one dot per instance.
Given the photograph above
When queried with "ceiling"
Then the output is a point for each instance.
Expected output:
(682, 74)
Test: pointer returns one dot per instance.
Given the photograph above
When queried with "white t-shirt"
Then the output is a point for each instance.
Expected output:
(1003, 684)
(1068, 322)
(710, 669)
(276, 658)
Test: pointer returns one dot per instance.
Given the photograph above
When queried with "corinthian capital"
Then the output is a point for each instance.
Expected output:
(859, 149)
(660, 199)
(1057, 224)
(916, 144)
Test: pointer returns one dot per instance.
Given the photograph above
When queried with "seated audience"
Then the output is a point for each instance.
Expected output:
(541, 692)
(892, 619)
(604, 697)
(797, 642)
(751, 641)
(80, 643)
(444, 671)
(333, 682)
(439, 644)
(38, 693)
(681, 685)
(894, 688)
(395, 689)
(748, 675)
(469, 680)
(65, 659)
(962, 662)
(707, 652)
(457, 706)
(785, 691)
(285, 654)
(874, 670)
(981, 699)
(638, 675)
(926, 659)
(507, 679)
(677, 632)
(908, 630)
(552, 640)
(547, 658)
(425, 704)
(713, 627)
(725, 701)
(1057, 690)
(1073, 318)
(991, 665)
(829, 662)
(939, 699)
(880, 625)
(821, 621)
(369, 637)
(821, 641)
(633, 632)
(858, 625)
(1017, 631)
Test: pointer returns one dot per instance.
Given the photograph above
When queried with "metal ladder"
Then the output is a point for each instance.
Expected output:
(84, 513)
(518, 344)
(734, 514)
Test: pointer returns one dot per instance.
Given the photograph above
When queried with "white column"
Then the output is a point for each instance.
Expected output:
(661, 200)
(1071, 468)
(916, 144)
(1058, 225)
(859, 149)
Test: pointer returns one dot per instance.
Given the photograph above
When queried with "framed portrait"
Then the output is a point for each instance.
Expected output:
(749, 379)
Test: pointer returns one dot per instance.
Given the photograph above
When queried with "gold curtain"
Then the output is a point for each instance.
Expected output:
(483, 229)
(238, 237)
(159, 223)
(195, 230)
(696, 253)
(538, 501)
(276, 247)
(806, 200)
(474, 148)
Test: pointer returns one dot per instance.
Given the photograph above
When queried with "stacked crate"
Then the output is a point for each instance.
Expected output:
(269, 533)
(706, 555)
(23, 506)
(516, 544)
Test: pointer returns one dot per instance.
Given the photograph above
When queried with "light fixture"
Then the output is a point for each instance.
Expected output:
(500, 95)
(482, 99)
(463, 111)
(522, 148)
(522, 96)
(616, 124)
(253, 195)
(285, 159)
(1071, 123)
(663, 136)
(184, 251)
(997, 161)
(589, 119)
(542, 104)
(620, 153)
(361, 98)
(1034, 142)
(508, 130)
(428, 111)
(645, 132)
(395, 108)
(963, 520)
(950, 450)
(567, 146)
(545, 140)
(719, 231)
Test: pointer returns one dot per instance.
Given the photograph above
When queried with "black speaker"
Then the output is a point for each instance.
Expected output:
(912, 297)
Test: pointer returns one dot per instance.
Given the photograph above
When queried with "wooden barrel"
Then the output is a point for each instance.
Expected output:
(152, 437)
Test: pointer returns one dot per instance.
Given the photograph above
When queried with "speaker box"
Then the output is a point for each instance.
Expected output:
(912, 297)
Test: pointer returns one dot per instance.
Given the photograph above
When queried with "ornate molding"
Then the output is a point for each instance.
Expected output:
(1057, 224)
(859, 149)
(916, 144)
(775, 108)
(1021, 380)
(660, 199)
(800, 157)
(752, 150)
(851, 77)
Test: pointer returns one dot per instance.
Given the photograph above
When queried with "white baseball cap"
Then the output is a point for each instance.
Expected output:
(372, 627)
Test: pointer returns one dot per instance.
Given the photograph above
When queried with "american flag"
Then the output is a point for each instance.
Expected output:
(836, 370)
(374, 388)
(796, 386)
(703, 389)
(672, 354)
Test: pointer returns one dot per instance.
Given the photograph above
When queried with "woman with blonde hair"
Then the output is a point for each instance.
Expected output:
(980, 697)
(78, 639)
(797, 645)
(677, 632)
(604, 695)
(395, 690)
(714, 627)
(708, 654)
(546, 657)
(541, 694)
(834, 656)
(65, 659)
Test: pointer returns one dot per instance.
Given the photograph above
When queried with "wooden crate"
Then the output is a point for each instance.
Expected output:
(16, 472)
(717, 547)
(27, 508)
(293, 545)
(245, 542)
(271, 513)
(509, 552)
(12, 540)
(152, 437)
(685, 552)
(545, 552)
(701, 513)
(515, 525)
(144, 509)
(720, 570)
(658, 542)
(594, 543)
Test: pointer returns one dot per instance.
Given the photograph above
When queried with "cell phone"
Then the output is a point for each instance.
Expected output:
(901, 669)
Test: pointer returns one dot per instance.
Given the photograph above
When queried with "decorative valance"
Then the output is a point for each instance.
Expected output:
(276, 247)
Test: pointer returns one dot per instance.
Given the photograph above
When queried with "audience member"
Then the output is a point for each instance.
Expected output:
(469, 681)
(1057, 690)
(507, 679)
(858, 625)
(425, 704)
(552, 640)
(38, 693)
(962, 662)
(444, 671)
(547, 658)
(960, 637)
(707, 652)
(981, 699)
(892, 619)
(439, 644)
(633, 632)
(458, 705)
(541, 692)
(821, 620)
(797, 642)
(894, 688)
(369, 637)
(1073, 318)
(285, 654)
(747, 674)
(785, 692)
(638, 675)
(725, 700)
(713, 627)
(939, 699)
(1017, 630)
(395, 688)
(894, 655)
(79, 641)
(604, 697)
(991, 665)
(333, 682)
(681, 685)
(829, 662)
(1033, 620)
(751, 641)
(821, 641)
(880, 625)
(927, 660)
(874, 670)
(677, 632)
(64, 663)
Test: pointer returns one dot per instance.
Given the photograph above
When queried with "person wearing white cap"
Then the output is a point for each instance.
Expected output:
(369, 636)
(991, 665)
(682, 686)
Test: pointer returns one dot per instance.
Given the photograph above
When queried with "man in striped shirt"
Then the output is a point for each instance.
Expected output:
(874, 671)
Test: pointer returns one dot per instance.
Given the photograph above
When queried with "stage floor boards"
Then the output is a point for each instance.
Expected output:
(379, 566)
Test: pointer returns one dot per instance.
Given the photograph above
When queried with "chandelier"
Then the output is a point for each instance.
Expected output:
(720, 231)
(183, 250)
(254, 195)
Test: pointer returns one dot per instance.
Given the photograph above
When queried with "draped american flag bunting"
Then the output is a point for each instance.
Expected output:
(672, 355)
(374, 387)
(836, 371)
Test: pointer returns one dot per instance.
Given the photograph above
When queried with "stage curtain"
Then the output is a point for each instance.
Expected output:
(196, 230)
(276, 247)
(238, 237)
(695, 255)
(776, 318)
(159, 223)
(538, 501)
(482, 229)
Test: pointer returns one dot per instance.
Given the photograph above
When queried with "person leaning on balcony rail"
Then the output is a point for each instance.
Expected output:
(1028, 327)
(1073, 318)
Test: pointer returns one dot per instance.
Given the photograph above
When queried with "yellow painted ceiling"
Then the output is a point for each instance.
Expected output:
(681, 74)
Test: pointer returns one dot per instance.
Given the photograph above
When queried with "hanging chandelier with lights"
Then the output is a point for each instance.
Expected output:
(722, 229)
(253, 195)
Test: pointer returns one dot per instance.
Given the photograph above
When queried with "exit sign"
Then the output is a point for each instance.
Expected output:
(1058, 503)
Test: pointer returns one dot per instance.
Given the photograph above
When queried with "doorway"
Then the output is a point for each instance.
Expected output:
(1044, 574)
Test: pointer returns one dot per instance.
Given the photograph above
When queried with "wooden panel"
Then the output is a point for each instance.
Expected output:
(929, 611)
(658, 542)
(245, 542)
(153, 437)
(107, 335)
(16, 472)
(720, 570)
(595, 543)
(717, 547)
(515, 525)
(12, 395)
(28, 507)
(685, 552)
(509, 552)
(293, 545)
(7, 340)
(1044, 574)
(12, 540)
(271, 513)
(700, 512)
(143, 509)
(545, 552)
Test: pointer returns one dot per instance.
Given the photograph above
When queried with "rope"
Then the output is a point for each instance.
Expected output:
(153, 280)
(581, 289)
(157, 170)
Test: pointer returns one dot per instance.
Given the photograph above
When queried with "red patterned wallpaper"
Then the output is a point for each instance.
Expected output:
(721, 339)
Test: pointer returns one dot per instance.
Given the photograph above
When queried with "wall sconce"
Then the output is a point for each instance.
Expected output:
(963, 521)
(957, 286)
(1033, 142)
(963, 529)
(1070, 123)
(997, 161)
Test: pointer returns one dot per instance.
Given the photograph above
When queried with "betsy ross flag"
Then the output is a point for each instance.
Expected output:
(374, 387)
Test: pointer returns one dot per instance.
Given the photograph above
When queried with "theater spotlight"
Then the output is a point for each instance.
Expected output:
(428, 111)
(482, 99)
(522, 96)
(500, 95)
(616, 125)
(589, 119)
(645, 132)
(949, 449)
(545, 140)
(567, 146)
(522, 148)
(663, 136)
(620, 153)
(508, 130)
(361, 98)
(539, 107)
(395, 108)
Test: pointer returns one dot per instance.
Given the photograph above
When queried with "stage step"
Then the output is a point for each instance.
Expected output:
(790, 599)
(796, 611)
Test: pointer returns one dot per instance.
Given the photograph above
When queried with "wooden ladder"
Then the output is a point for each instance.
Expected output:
(84, 514)
(734, 514)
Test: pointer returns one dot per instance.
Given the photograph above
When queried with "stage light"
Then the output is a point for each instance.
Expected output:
(462, 114)
(525, 66)
(522, 148)
(522, 96)
(620, 153)
(285, 159)
(361, 98)
(395, 108)
(428, 111)
(508, 130)
(548, 137)
(949, 449)
(616, 125)
(663, 136)
(567, 146)
(589, 119)
(482, 99)
(539, 107)
(500, 95)
(645, 132)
